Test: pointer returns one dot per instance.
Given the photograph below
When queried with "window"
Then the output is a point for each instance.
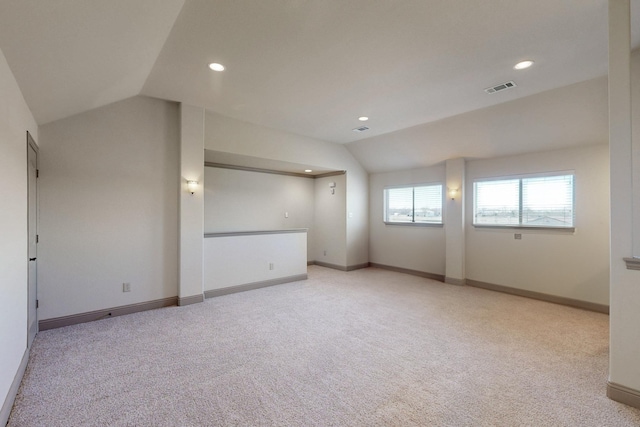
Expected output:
(418, 205)
(537, 201)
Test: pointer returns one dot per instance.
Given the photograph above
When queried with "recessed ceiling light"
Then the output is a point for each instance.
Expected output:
(308, 170)
(363, 118)
(216, 67)
(523, 64)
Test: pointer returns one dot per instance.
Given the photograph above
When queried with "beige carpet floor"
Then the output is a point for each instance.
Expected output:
(364, 348)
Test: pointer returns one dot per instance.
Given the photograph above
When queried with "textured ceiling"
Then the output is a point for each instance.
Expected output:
(309, 67)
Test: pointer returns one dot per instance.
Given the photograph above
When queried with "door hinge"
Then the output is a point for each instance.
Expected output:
(37, 303)
(37, 173)
(37, 238)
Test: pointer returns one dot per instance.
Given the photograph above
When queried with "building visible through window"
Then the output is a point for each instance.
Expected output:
(413, 205)
(536, 201)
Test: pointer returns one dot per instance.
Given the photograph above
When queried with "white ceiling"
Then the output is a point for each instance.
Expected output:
(70, 56)
(309, 67)
(570, 116)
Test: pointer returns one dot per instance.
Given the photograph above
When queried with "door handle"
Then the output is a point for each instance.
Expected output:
(32, 259)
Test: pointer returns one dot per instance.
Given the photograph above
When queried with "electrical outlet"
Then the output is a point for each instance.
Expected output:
(517, 236)
(126, 287)
(325, 252)
(286, 214)
(270, 266)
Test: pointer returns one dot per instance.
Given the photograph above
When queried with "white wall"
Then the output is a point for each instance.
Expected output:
(247, 259)
(234, 136)
(415, 248)
(357, 217)
(330, 221)
(109, 207)
(635, 135)
(237, 200)
(455, 221)
(191, 229)
(625, 181)
(571, 265)
(15, 120)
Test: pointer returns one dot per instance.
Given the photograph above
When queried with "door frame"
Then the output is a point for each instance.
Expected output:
(32, 297)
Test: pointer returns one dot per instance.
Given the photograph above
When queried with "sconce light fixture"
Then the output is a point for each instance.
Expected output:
(332, 186)
(192, 186)
(453, 192)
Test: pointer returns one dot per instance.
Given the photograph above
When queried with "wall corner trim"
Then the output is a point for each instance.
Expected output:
(453, 281)
(74, 319)
(623, 394)
(357, 266)
(329, 265)
(193, 299)
(5, 412)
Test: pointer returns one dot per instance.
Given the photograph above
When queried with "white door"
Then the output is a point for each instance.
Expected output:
(32, 314)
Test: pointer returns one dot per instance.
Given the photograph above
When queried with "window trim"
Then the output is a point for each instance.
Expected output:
(413, 223)
(520, 177)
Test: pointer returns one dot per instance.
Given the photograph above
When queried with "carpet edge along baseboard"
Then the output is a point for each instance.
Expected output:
(74, 319)
(212, 293)
(426, 275)
(339, 267)
(570, 302)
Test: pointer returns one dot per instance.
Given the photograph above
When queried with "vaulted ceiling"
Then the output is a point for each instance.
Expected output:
(310, 67)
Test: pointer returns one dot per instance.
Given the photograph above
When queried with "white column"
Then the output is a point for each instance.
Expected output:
(624, 375)
(191, 205)
(454, 222)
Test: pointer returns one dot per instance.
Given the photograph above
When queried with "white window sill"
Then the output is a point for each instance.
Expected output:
(524, 227)
(415, 224)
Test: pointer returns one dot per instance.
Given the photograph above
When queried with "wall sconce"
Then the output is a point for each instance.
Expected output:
(332, 186)
(192, 186)
(453, 192)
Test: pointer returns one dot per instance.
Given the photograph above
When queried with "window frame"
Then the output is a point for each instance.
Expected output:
(520, 178)
(413, 223)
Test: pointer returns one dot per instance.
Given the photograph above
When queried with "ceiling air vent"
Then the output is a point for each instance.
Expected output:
(360, 129)
(498, 88)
